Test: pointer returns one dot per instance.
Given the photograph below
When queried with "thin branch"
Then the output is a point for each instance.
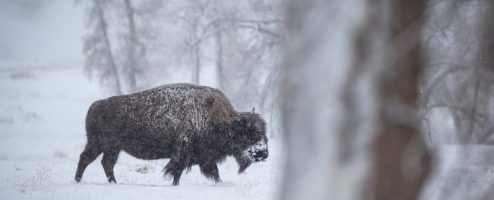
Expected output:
(267, 22)
(474, 103)
(437, 80)
(451, 107)
(260, 29)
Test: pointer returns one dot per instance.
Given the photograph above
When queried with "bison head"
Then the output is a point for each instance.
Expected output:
(251, 140)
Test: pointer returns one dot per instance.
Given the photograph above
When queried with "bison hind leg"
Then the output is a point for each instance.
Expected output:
(210, 171)
(90, 153)
(109, 160)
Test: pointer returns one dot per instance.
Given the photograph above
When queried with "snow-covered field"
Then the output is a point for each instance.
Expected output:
(42, 110)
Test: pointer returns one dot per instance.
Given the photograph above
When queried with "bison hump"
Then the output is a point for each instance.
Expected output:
(180, 108)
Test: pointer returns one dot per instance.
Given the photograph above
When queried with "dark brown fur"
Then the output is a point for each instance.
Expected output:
(187, 123)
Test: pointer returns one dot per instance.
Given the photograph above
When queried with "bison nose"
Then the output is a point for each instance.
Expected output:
(261, 155)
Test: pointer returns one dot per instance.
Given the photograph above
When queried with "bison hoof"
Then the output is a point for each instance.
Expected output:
(112, 180)
(216, 181)
(77, 179)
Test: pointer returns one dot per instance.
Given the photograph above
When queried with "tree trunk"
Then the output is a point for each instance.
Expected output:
(132, 47)
(327, 139)
(197, 53)
(109, 53)
(487, 37)
(487, 49)
(349, 99)
(401, 159)
(219, 58)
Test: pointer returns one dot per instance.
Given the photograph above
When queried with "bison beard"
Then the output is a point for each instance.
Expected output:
(190, 124)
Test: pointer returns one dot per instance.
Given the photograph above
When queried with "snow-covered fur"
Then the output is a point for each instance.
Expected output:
(187, 123)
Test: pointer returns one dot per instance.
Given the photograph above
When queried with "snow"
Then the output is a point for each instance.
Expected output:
(461, 172)
(42, 111)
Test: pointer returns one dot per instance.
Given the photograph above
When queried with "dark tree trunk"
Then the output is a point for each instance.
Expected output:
(401, 159)
(371, 147)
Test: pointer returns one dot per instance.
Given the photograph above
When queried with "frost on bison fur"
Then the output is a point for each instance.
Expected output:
(187, 123)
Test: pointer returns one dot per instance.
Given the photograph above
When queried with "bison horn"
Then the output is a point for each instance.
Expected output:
(251, 118)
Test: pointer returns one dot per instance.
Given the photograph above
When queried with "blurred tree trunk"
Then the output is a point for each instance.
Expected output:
(350, 94)
(401, 159)
(328, 125)
(197, 65)
(487, 56)
(132, 47)
(487, 37)
(196, 54)
(219, 57)
(103, 27)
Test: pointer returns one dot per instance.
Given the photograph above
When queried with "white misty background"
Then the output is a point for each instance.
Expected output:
(383, 99)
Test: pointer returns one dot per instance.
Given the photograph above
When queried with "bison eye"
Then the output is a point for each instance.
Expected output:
(254, 136)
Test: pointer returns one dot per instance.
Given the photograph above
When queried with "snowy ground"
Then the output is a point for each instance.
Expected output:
(462, 172)
(42, 110)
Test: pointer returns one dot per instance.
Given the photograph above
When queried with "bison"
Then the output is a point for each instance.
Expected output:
(189, 124)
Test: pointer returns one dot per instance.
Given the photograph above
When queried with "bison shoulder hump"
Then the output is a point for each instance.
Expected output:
(219, 107)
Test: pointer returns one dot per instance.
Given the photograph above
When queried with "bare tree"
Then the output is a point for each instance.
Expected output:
(251, 51)
(242, 40)
(102, 56)
(98, 49)
(199, 21)
(459, 82)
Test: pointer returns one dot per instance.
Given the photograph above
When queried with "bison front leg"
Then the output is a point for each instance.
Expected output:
(210, 170)
(178, 162)
(243, 162)
(174, 168)
(108, 162)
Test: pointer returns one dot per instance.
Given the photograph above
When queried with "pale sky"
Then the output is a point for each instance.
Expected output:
(41, 31)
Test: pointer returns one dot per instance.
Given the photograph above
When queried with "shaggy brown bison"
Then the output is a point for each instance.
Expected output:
(190, 124)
